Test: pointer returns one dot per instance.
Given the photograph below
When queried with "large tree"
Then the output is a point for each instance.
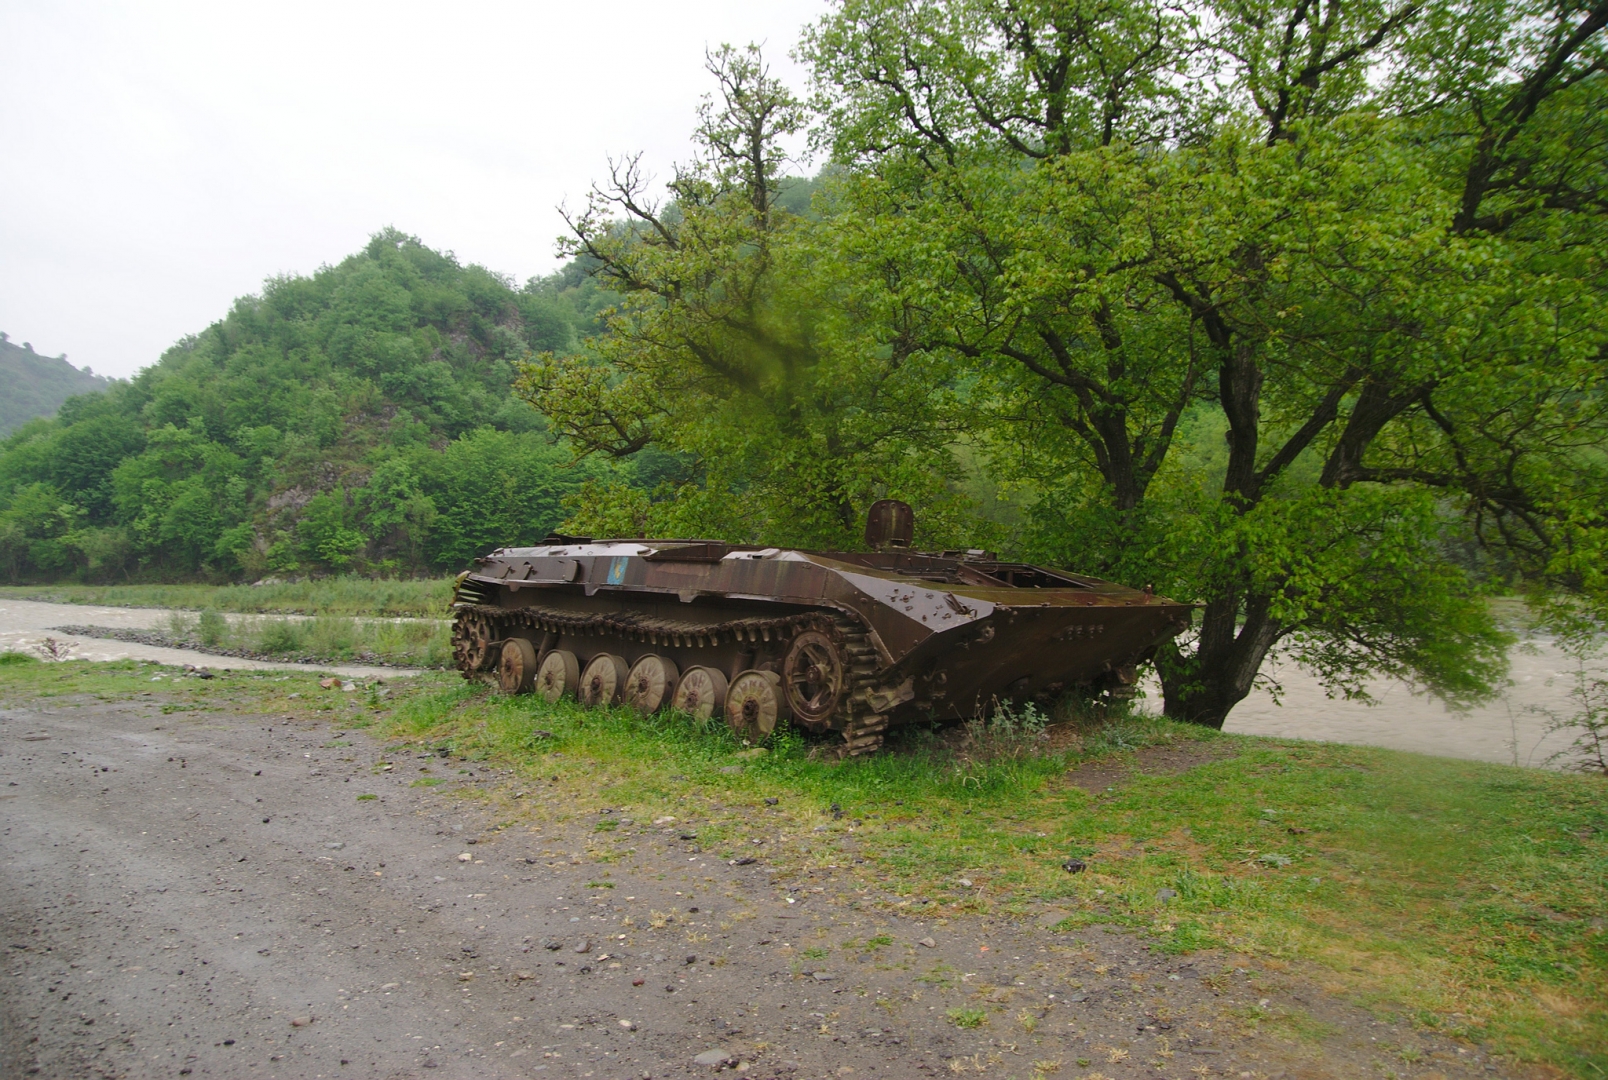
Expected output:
(1275, 304)
(743, 346)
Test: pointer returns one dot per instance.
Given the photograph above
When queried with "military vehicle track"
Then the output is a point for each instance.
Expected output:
(479, 629)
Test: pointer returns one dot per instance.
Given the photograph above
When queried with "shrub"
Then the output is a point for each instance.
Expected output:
(212, 628)
(279, 636)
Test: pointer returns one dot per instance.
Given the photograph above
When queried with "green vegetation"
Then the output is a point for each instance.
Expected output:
(405, 642)
(1292, 311)
(1466, 895)
(968, 1018)
(356, 420)
(1295, 313)
(344, 595)
(37, 385)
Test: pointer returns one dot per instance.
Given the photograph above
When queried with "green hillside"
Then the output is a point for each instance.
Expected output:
(36, 385)
(355, 420)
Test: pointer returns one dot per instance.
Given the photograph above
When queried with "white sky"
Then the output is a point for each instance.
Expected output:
(158, 160)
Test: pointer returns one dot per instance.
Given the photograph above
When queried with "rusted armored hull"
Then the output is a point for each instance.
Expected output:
(836, 641)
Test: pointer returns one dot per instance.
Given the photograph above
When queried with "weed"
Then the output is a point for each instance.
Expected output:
(968, 1018)
(54, 650)
(364, 798)
(211, 628)
(1005, 733)
(279, 636)
(321, 596)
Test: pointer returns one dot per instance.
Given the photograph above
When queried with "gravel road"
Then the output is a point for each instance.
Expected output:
(207, 894)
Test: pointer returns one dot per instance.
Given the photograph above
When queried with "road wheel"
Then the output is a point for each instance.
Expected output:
(516, 673)
(651, 683)
(472, 635)
(814, 677)
(701, 692)
(558, 676)
(603, 681)
(755, 704)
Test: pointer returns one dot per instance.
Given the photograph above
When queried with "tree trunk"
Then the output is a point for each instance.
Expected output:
(1201, 689)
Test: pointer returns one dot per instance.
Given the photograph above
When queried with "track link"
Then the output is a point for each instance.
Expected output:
(861, 719)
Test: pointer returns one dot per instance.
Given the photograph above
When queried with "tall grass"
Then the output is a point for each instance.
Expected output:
(408, 642)
(325, 596)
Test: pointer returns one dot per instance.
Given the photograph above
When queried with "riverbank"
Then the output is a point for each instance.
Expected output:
(150, 634)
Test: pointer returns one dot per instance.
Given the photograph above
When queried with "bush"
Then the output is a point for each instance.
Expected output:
(279, 636)
(212, 628)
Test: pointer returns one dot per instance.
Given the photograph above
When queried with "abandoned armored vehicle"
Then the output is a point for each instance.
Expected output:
(841, 642)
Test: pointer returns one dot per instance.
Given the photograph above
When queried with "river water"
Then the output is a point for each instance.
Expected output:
(1510, 730)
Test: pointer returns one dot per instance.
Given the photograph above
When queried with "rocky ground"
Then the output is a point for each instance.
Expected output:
(206, 894)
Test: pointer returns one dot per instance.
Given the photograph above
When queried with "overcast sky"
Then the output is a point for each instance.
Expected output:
(158, 160)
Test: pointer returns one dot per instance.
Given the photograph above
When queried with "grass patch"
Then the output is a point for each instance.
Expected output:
(335, 638)
(1466, 896)
(968, 1018)
(409, 642)
(324, 596)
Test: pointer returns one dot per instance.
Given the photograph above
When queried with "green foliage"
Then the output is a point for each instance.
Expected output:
(212, 628)
(1356, 247)
(37, 385)
(743, 348)
(279, 636)
(343, 595)
(1456, 888)
(355, 420)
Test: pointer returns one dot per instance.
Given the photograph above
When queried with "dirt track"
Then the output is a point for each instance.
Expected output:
(204, 894)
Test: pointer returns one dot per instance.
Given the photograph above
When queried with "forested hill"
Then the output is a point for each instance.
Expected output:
(358, 419)
(36, 385)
